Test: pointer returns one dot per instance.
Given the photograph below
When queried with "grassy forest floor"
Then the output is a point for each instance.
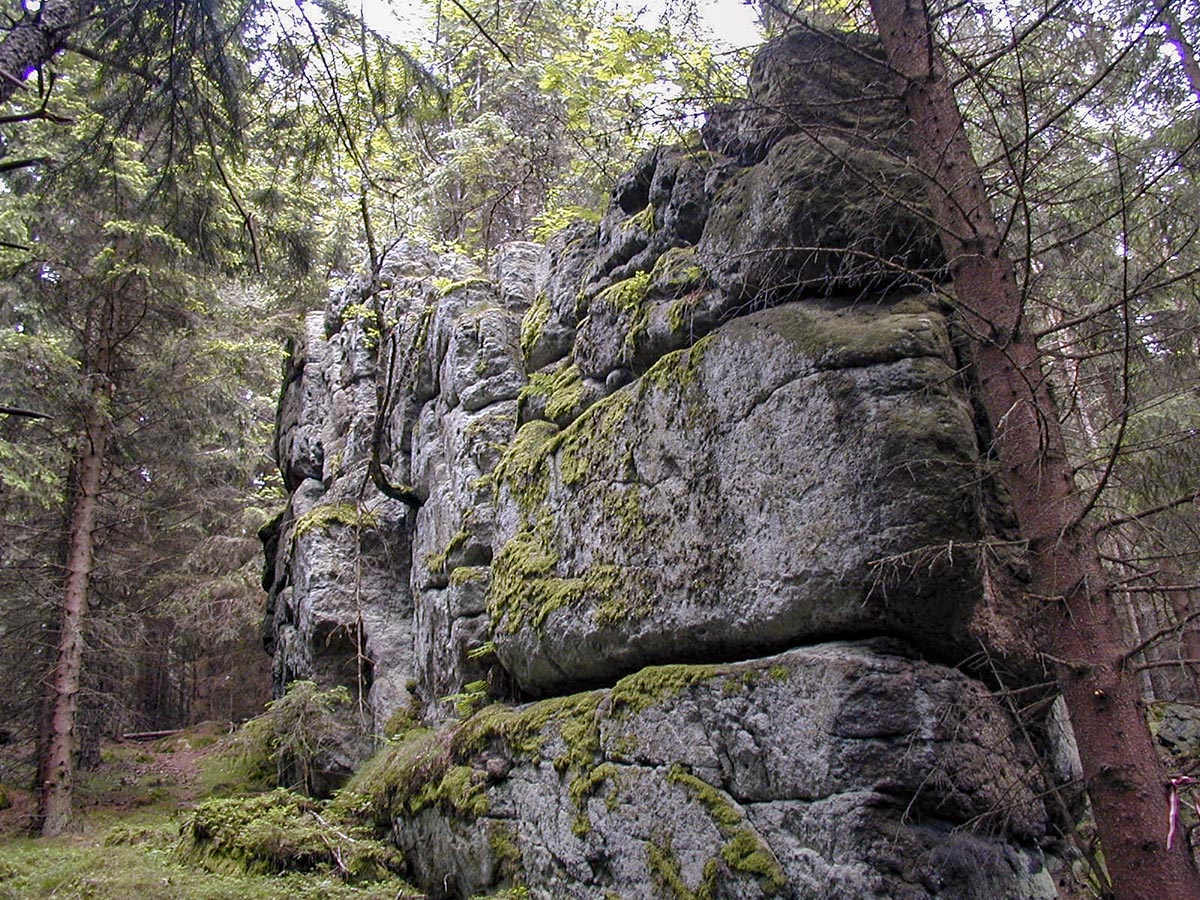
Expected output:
(132, 838)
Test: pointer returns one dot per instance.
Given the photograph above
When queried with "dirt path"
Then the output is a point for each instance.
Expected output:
(131, 775)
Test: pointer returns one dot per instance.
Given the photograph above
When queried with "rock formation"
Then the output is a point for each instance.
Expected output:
(705, 560)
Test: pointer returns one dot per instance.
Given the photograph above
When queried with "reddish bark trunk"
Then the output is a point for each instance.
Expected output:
(58, 756)
(1081, 634)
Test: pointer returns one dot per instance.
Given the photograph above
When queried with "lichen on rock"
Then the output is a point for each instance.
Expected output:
(704, 538)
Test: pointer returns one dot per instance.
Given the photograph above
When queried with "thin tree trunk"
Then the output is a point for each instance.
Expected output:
(35, 38)
(58, 756)
(1081, 634)
(1176, 38)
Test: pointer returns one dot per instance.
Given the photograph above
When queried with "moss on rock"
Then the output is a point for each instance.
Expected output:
(533, 323)
(679, 368)
(460, 790)
(522, 467)
(324, 517)
(853, 338)
(561, 392)
(447, 286)
(628, 300)
(744, 850)
(667, 873)
(590, 442)
(505, 851)
(470, 575)
(585, 785)
(436, 562)
(524, 589)
(747, 853)
(653, 684)
(720, 807)
(677, 272)
(643, 219)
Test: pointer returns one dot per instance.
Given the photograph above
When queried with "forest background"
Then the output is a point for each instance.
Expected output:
(183, 180)
(177, 189)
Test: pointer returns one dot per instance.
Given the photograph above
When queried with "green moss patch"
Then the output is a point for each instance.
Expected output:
(653, 684)
(585, 785)
(527, 584)
(324, 517)
(849, 339)
(720, 807)
(459, 789)
(744, 851)
(420, 335)
(678, 369)
(667, 874)
(447, 286)
(533, 323)
(629, 301)
(433, 768)
(436, 562)
(747, 853)
(282, 831)
(506, 853)
(470, 575)
(677, 272)
(526, 587)
(643, 219)
(522, 468)
(561, 390)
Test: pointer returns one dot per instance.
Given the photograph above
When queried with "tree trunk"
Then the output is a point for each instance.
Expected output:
(1176, 38)
(35, 38)
(1070, 590)
(58, 756)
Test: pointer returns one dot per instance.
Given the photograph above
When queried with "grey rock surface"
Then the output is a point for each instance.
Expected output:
(781, 481)
(844, 770)
(819, 216)
(807, 82)
(710, 485)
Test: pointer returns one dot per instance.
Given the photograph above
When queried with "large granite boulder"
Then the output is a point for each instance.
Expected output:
(783, 480)
(842, 770)
(697, 557)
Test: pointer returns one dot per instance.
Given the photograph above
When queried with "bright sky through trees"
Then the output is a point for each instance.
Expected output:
(731, 22)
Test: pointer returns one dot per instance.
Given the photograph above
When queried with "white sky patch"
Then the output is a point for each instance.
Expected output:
(395, 18)
(731, 23)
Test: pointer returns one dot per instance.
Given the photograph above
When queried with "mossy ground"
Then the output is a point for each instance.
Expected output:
(129, 839)
(75, 867)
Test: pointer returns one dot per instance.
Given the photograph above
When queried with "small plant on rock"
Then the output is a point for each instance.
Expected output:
(295, 734)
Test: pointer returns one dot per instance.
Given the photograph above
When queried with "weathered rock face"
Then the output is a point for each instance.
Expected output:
(843, 770)
(666, 522)
(703, 477)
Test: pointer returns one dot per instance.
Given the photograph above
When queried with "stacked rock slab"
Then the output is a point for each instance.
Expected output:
(693, 573)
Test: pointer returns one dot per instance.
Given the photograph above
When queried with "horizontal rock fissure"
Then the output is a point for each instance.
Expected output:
(886, 642)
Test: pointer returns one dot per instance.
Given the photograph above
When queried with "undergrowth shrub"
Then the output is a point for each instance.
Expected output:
(287, 743)
(284, 831)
